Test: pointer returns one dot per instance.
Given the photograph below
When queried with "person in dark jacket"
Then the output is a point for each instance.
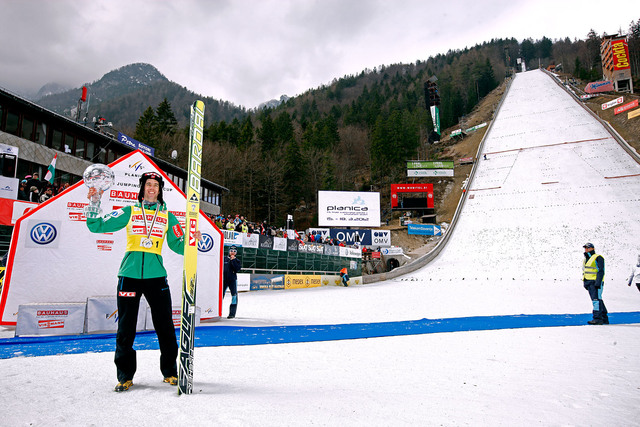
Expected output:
(592, 276)
(230, 279)
(34, 187)
(22, 191)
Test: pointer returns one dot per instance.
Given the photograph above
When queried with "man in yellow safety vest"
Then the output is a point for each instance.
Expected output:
(592, 276)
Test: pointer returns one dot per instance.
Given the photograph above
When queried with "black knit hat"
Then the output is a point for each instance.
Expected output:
(143, 180)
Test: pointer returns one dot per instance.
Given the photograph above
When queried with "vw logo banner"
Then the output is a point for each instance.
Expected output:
(54, 257)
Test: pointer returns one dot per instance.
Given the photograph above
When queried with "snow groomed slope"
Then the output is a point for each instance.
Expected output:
(554, 179)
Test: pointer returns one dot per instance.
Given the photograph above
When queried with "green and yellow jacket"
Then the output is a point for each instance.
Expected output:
(143, 259)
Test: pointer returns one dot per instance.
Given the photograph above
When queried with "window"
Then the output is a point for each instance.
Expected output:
(111, 156)
(57, 141)
(41, 133)
(8, 165)
(100, 155)
(27, 131)
(12, 123)
(80, 148)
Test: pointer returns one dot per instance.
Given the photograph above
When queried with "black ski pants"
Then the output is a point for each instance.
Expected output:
(156, 292)
(232, 285)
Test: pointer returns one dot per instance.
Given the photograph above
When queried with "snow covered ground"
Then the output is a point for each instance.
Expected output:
(553, 180)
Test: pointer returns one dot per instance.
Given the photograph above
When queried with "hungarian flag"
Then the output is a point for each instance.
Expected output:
(51, 170)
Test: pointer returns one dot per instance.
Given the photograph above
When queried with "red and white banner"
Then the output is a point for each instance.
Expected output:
(54, 257)
(610, 104)
(11, 210)
(625, 107)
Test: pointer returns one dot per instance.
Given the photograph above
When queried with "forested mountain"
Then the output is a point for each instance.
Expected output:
(353, 133)
(121, 96)
(356, 132)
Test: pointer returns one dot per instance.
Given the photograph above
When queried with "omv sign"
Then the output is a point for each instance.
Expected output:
(363, 236)
(206, 243)
(43, 233)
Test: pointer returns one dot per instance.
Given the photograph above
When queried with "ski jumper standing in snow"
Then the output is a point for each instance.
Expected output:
(231, 267)
(593, 275)
(148, 224)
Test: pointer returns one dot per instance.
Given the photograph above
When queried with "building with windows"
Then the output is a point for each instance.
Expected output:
(616, 65)
(40, 134)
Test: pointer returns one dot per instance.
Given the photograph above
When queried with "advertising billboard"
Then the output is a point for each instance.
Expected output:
(411, 188)
(429, 172)
(348, 209)
(613, 103)
(626, 107)
(135, 144)
(430, 164)
(424, 229)
(597, 87)
(620, 55)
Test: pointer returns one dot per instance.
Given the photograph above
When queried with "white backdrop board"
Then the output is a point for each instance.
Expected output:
(51, 319)
(54, 257)
(102, 314)
(348, 209)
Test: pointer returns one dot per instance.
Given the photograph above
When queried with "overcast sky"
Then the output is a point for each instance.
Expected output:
(250, 51)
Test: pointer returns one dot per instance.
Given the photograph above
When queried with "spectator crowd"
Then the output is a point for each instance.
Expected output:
(240, 224)
(32, 189)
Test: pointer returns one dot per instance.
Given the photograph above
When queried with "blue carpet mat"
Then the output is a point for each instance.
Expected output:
(220, 335)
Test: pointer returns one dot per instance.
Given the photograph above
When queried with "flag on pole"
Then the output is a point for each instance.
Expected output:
(51, 170)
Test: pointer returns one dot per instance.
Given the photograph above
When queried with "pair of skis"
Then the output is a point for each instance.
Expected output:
(189, 279)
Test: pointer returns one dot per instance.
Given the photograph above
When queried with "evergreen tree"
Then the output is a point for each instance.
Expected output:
(166, 123)
(527, 50)
(146, 128)
(544, 48)
(267, 133)
(379, 150)
(233, 132)
(293, 174)
(246, 132)
(283, 128)
(486, 79)
(329, 176)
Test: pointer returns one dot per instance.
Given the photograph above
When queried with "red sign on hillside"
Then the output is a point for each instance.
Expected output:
(411, 188)
(625, 107)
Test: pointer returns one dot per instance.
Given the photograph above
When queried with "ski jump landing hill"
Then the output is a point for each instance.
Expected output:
(554, 179)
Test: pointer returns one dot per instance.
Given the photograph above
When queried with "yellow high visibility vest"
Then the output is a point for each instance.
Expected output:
(136, 230)
(589, 268)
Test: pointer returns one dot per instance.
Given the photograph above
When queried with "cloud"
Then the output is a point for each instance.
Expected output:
(250, 51)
